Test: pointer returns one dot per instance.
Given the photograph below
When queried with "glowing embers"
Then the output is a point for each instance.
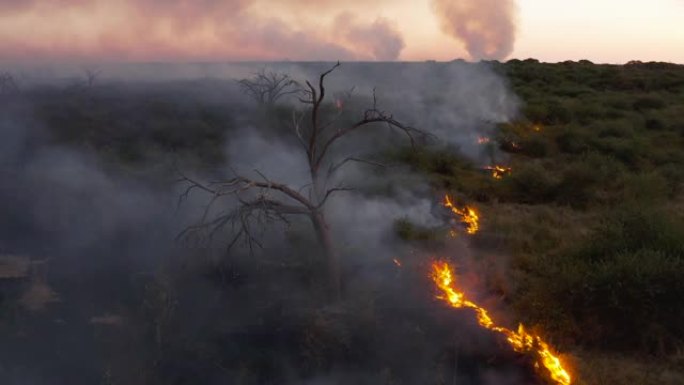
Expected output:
(467, 215)
(498, 172)
(483, 140)
(520, 341)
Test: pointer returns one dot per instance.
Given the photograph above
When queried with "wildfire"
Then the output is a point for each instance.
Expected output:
(483, 140)
(339, 104)
(537, 128)
(521, 340)
(468, 216)
(397, 262)
(498, 172)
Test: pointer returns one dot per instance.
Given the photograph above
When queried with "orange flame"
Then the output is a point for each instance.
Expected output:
(521, 340)
(483, 140)
(537, 128)
(498, 172)
(468, 216)
(397, 262)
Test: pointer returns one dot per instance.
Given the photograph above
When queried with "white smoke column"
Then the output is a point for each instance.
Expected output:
(486, 27)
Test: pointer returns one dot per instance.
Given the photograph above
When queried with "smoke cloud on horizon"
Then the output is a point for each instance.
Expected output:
(486, 27)
(192, 30)
(231, 30)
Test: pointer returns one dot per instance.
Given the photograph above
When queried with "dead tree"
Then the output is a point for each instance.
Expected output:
(263, 199)
(7, 83)
(91, 76)
(268, 87)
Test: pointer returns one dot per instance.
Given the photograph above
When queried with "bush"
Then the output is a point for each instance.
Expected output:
(645, 188)
(589, 180)
(615, 129)
(621, 290)
(534, 147)
(408, 231)
(648, 103)
(654, 124)
(626, 150)
(572, 142)
(530, 183)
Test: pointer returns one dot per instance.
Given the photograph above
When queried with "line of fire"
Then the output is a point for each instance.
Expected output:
(547, 362)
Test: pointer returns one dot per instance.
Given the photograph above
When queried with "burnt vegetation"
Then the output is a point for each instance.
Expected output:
(589, 219)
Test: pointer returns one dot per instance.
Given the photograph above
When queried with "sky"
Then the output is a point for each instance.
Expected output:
(604, 31)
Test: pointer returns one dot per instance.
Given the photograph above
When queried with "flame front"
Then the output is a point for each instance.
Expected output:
(468, 216)
(483, 140)
(498, 172)
(521, 340)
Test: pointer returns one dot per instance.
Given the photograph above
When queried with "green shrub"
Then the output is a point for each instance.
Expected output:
(572, 142)
(654, 124)
(585, 181)
(626, 150)
(648, 103)
(534, 147)
(648, 187)
(408, 231)
(530, 183)
(620, 289)
(614, 128)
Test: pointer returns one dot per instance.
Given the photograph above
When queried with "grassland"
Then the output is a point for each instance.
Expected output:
(589, 224)
(591, 212)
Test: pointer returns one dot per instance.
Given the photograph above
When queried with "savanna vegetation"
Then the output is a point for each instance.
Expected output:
(591, 212)
(583, 239)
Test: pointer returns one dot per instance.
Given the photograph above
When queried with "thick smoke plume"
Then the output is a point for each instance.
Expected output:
(194, 30)
(486, 27)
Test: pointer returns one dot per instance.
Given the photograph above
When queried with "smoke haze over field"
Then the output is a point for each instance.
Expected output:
(210, 30)
(104, 225)
(193, 30)
(414, 30)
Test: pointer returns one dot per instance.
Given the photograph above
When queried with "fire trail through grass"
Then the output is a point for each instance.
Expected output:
(521, 340)
(467, 214)
(498, 172)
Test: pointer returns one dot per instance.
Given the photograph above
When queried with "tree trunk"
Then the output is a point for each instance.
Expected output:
(332, 259)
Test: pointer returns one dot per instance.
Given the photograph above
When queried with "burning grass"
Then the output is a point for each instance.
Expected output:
(498, 172)
(467, 215)
(521, 341)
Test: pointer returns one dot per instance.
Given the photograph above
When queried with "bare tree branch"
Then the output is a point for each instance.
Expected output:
(370, 116)
(7, 83)
(331, 192)
(268, 87)
(262, 200)
(335, 167)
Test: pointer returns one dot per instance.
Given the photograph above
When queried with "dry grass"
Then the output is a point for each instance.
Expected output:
(529, 229)
(612, 369)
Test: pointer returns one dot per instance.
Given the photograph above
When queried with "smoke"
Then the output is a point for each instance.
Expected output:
(487, 28)
(193, 30)
(136, 307)
(380, 40)
(457, 102)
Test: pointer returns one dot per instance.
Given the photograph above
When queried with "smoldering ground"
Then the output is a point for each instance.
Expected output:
(89, 197)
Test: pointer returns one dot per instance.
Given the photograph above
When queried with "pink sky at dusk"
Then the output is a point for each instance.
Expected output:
(610, 31)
